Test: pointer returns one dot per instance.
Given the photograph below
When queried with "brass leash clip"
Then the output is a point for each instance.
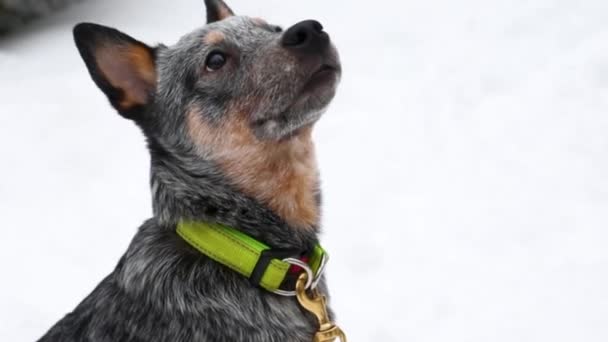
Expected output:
(316, 304)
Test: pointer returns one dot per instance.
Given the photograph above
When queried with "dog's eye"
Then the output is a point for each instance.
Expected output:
(277, 29)
(215, 61)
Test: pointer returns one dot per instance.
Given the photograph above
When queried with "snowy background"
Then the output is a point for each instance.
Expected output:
(464, 160)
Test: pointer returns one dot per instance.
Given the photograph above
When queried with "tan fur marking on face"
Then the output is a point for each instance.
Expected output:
(214, 38)
(260, 22)
(282, 175)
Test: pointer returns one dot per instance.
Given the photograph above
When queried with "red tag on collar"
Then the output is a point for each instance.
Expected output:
(295, 269)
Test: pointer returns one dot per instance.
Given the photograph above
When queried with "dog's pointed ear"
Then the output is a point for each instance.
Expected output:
(217, 10)
(122, 67)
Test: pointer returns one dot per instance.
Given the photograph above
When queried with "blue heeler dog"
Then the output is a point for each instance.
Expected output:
(228, 113)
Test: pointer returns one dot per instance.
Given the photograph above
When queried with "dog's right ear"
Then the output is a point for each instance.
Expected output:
(217, 10)
(122, 67)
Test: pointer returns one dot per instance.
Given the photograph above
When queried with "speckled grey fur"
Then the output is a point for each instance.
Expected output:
(162, 289)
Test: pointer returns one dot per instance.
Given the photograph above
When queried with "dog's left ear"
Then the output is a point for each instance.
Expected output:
(122, 67)
(217, 10)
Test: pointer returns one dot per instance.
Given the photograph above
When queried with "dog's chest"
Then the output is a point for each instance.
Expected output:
(207, 303)
(241, 319)
(271, 321)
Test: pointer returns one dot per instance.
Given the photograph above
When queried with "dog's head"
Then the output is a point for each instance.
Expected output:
(273, 82)
(234, 100)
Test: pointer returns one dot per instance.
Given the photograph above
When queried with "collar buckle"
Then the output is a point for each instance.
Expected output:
(289, 256)
(309, 276)
(266, 256)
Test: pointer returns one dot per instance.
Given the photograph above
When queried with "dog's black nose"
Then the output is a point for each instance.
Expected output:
(306, 36)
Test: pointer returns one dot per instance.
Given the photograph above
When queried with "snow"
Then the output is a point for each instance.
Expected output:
(464, 164)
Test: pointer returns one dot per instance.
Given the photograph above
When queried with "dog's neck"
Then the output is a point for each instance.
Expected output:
(186, 187)
(282, 175)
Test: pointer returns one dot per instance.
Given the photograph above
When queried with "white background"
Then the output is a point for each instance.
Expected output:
(464, 165)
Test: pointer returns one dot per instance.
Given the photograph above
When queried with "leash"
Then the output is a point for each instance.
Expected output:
(275, 270)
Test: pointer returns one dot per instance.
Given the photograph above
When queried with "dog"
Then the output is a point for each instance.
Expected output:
(227, 113)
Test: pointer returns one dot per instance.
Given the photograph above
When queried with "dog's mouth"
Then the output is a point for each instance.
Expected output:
(306, 106)
(326, 74)
(320, 85)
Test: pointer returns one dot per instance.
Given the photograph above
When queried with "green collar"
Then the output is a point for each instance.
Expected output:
(264, 266)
